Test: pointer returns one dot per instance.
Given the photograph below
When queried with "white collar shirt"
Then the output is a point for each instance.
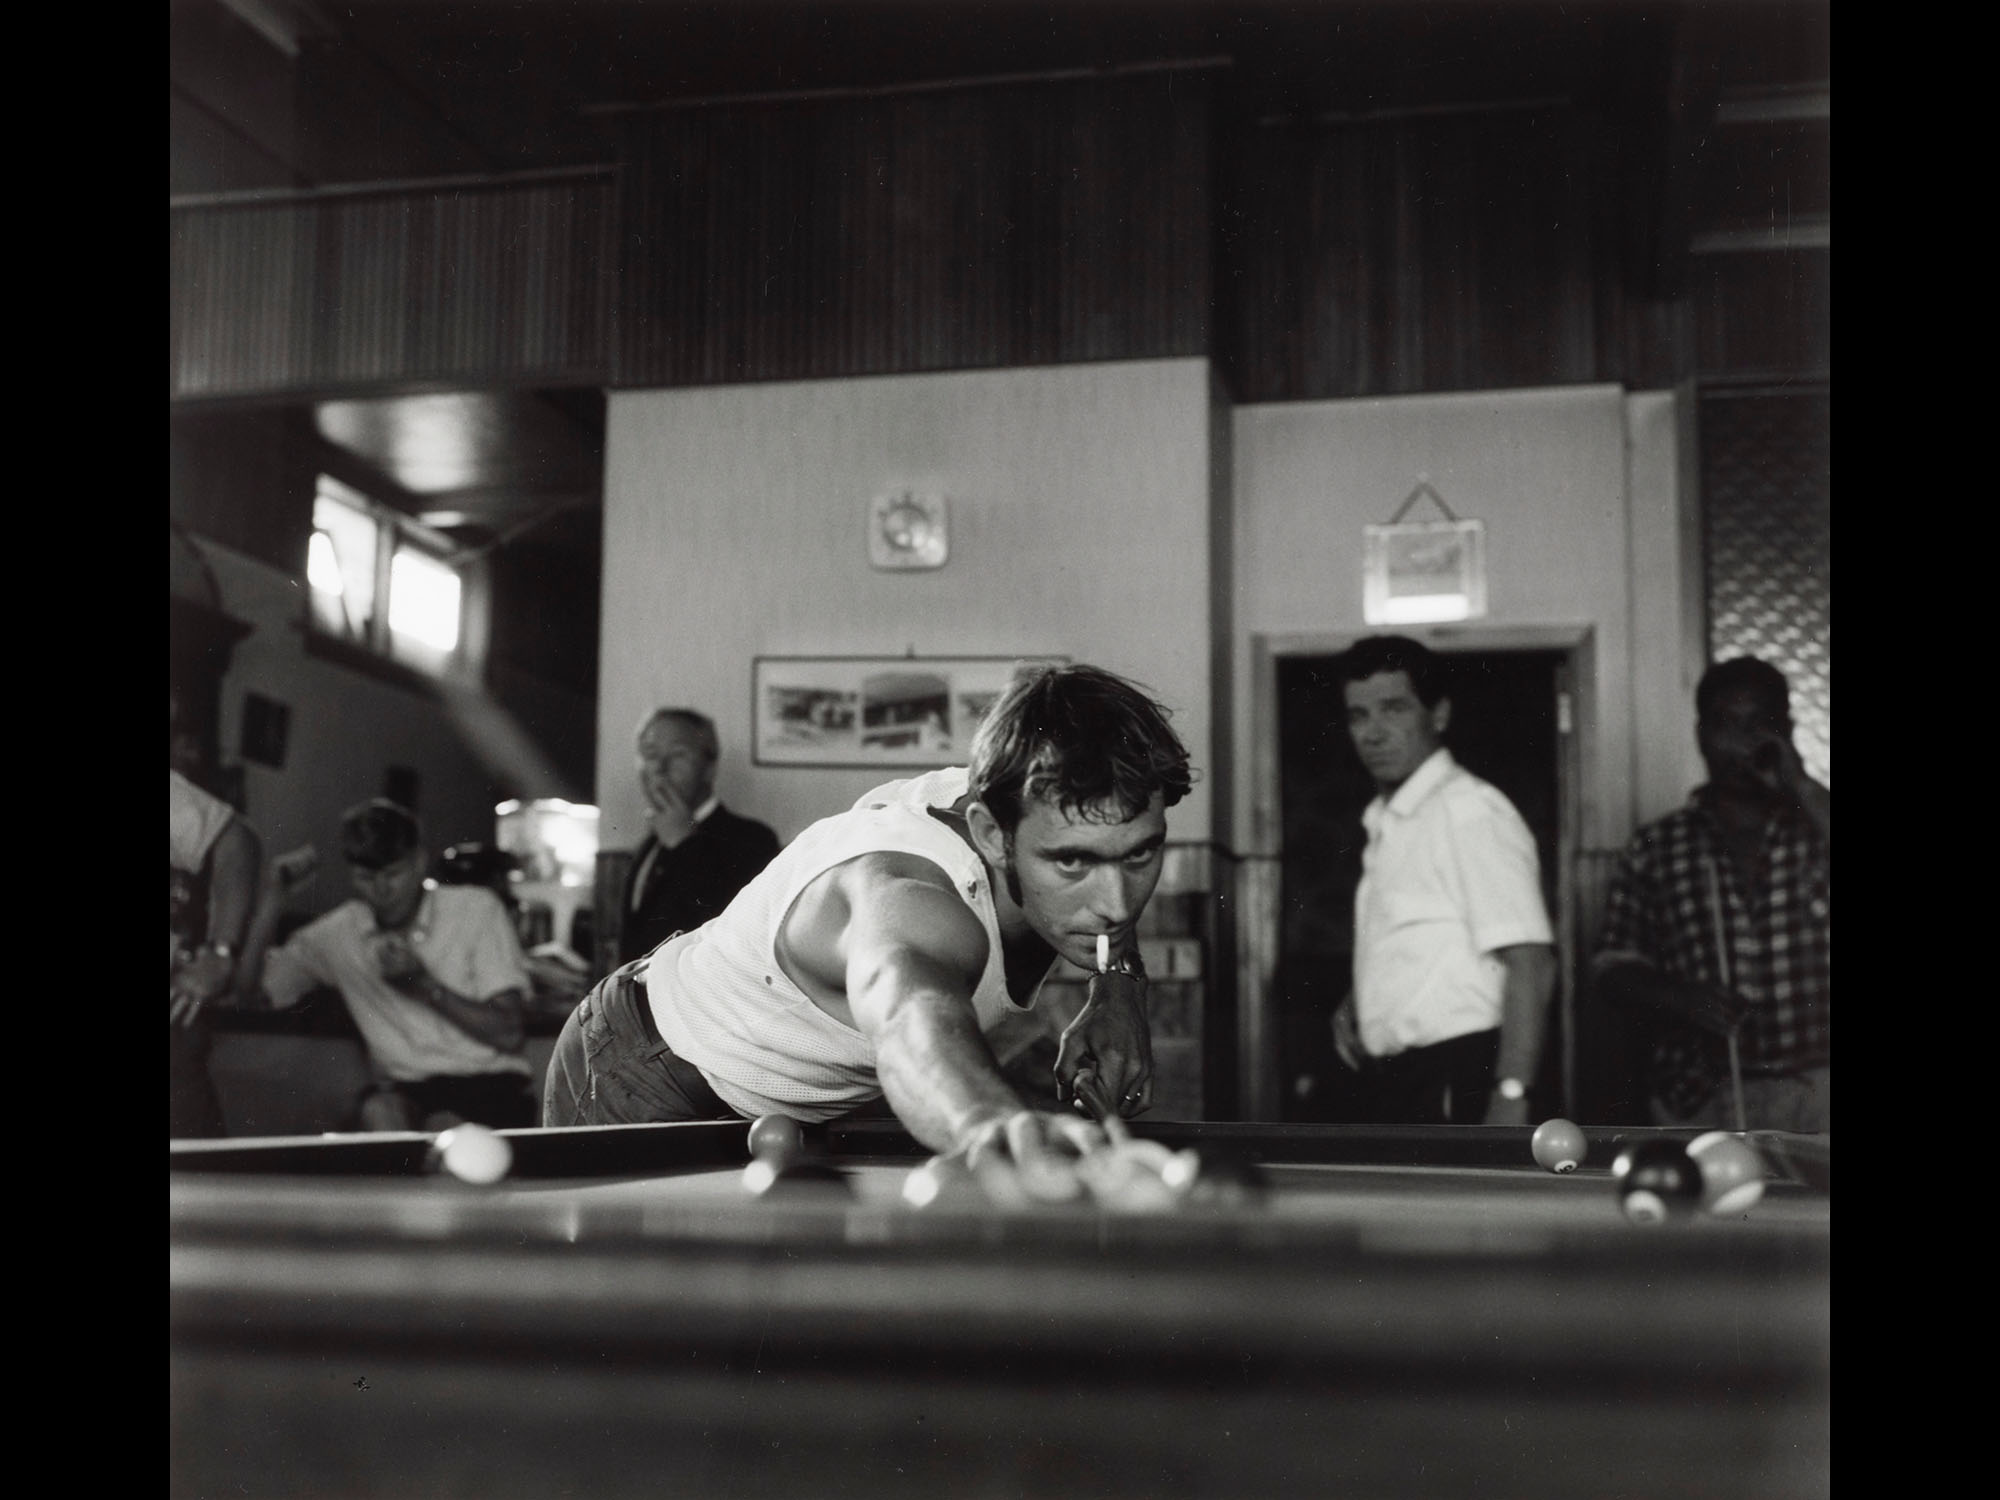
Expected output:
(1450, 875)
(465, 939)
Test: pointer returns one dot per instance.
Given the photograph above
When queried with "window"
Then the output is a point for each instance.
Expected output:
(342, 563)
(423, 600)
(382, 583)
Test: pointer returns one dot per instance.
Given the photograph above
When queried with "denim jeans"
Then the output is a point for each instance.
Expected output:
(501, 1100)
(610, 1067)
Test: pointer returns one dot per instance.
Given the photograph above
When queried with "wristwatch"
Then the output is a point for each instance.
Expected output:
(1512, 1088)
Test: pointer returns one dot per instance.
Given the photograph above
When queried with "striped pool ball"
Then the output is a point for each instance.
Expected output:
(1732, 1173)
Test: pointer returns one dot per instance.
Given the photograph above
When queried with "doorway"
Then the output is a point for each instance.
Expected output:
(1513, 724)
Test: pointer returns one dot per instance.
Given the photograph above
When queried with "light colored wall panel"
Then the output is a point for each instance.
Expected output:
(734, 526)
(1545, 470)
(1669, 633)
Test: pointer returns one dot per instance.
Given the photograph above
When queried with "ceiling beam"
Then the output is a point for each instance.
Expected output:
(1806, 232)
(1775, 107)
(917, 86)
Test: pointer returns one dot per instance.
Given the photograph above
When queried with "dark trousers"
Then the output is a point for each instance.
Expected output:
(610, 1067)
(1449, 1083)
(501, 1100)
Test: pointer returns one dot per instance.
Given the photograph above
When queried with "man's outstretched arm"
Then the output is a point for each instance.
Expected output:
(908, 954)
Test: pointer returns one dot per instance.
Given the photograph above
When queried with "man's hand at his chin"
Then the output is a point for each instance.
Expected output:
(670, 819)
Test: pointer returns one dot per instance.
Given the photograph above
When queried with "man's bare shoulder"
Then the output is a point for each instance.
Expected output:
(886, 885)
(883, 897)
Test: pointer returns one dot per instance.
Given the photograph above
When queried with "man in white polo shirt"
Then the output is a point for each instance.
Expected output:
(432, 974)
(1453, 954)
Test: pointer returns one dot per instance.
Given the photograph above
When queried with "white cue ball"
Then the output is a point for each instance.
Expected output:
(473, 1153)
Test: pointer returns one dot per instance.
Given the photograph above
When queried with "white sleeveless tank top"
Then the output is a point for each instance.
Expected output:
(721, 1000)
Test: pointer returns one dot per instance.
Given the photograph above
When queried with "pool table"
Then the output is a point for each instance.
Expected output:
(1407, 1312)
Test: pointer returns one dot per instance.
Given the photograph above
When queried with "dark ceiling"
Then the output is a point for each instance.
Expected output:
(398, 88)
(484, 466)
(302, 94)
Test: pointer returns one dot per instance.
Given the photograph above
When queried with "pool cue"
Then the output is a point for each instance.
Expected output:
(1091, 1098)
(1722, 963)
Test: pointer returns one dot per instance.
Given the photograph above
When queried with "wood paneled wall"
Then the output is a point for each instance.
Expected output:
(473, 284)
(1765, 314)
(1016, 224)
(244, 478)
(1468, 251)
(992, 225)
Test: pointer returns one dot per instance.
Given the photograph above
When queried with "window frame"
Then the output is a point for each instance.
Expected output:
(375, 648)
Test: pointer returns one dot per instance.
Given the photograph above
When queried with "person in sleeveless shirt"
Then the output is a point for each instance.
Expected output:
(897, 950)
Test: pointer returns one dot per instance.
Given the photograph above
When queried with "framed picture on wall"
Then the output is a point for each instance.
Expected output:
(1422, 572)
(873, 710)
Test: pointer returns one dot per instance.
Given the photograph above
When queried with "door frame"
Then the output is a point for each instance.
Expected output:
(1259, 896)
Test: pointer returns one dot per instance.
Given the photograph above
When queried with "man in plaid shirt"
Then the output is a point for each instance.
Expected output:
(1719, 921)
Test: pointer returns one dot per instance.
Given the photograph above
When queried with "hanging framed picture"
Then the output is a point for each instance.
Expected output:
(1419, 572)
(872, 710)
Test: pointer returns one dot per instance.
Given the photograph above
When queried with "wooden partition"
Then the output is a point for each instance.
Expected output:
(471, 281)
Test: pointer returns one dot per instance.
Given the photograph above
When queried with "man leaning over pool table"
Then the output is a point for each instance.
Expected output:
(897, 950)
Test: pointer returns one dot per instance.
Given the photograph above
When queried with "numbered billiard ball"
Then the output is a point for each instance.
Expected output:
(1559, 1145)
(473, 1153)
(1657, 1181)
(1216, 1176)
(795, 1181)
(777, 1138)
(1732, 1173)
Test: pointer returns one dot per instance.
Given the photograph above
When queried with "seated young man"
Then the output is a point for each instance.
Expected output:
(432, 974)
(898, 949)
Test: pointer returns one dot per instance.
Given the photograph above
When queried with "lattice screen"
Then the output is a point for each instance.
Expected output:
(1767, 516)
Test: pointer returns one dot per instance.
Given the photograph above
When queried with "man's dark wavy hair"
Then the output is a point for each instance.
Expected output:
(1083, 738)
(1396, 653)
(376, 833)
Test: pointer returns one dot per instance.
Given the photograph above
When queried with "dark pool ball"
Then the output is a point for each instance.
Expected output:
(795, 1181)
(1657, 1181)
(777, 1138)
